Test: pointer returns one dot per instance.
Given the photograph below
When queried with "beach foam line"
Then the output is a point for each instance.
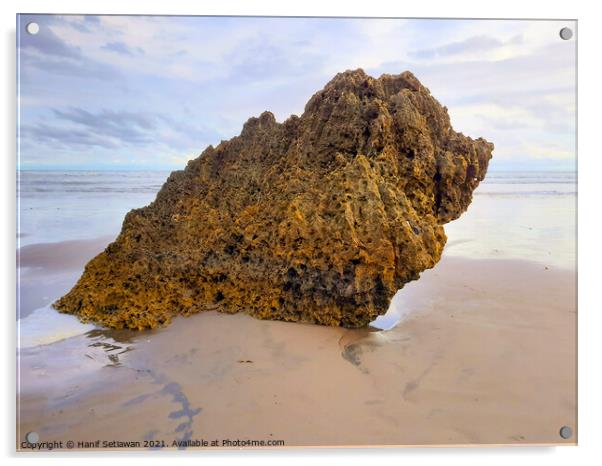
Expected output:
(46, 325)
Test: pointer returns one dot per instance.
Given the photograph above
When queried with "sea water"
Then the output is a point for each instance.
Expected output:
(68, 205)
(519, 215)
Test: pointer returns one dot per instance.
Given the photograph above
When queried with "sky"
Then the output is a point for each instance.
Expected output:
(140, 92)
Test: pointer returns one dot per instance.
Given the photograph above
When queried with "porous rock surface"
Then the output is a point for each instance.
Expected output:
(321, 218)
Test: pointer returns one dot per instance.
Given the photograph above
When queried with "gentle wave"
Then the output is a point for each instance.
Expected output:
(96, 189)
(33, 182)
(525, 193)
(527, 181)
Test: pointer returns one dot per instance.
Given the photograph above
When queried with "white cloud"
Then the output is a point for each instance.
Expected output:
(509, 81)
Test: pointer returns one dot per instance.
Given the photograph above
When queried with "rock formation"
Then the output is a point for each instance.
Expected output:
(321, 218)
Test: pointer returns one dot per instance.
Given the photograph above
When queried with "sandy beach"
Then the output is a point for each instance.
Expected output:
(484, 351)
(481, 359)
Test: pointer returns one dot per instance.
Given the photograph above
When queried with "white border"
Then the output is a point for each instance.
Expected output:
(590, 181)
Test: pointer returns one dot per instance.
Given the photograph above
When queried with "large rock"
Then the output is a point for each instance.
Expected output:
(318, 219)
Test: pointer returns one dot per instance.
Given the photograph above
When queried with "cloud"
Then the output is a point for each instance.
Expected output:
(262, 59)
(482, 43)
(47, 53)
(124, 127)
(123, 49)
(87, 24)
(64, 137)
(76, 127)
(47, 43)
(43, 65)
(162, 88)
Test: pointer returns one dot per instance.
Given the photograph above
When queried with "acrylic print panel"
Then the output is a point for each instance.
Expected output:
(282, 232)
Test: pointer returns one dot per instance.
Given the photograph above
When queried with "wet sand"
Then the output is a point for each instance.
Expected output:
(46, 271)
(486, 356)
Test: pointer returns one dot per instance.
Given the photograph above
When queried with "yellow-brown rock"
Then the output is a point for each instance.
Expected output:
(318, 219)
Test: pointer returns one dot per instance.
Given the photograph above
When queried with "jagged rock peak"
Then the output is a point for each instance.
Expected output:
(321, 218)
